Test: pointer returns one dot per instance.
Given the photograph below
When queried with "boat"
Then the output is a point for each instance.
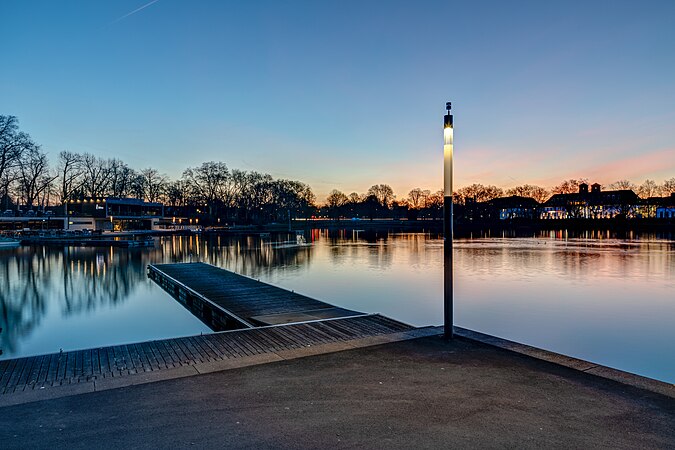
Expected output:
(6, 242)
(298, 243)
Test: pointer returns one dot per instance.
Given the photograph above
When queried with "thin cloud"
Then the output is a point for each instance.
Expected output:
(133, 12)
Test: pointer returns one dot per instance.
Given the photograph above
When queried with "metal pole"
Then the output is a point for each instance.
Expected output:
(447, 223)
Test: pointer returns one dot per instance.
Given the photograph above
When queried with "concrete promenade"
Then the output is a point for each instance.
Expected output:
(419, 393)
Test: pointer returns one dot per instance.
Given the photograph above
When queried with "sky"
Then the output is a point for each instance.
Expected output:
(346, 94)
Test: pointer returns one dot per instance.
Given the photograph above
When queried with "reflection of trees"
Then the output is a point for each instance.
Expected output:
(347, 245)
(92, 278)
(248, 255)
(78, 280)
(21, 307)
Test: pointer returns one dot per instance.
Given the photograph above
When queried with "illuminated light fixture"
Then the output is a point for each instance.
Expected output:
(448, 131)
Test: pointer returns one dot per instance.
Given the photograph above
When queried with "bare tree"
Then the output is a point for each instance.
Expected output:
(353, 198)
(123, 180)
(527, 190)
(648, 189)
(336, 199)
(415, 198)
(153, 184)
(622, 185)
(97, 174)
(177, 193)
(568, 186)
(13, 144)
(436, 200)
(208, 182)
(384, 194)
(480, 193)
(34, 174)
(69, 173)
(668, 187)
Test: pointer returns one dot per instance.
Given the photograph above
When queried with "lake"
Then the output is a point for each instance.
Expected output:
(610, 301)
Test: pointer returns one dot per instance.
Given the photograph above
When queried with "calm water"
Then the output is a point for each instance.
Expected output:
(604, 300)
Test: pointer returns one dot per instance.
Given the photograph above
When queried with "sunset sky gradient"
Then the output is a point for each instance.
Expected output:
(349, 94)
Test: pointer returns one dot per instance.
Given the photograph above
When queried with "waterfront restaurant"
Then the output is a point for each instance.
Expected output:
(113, 214)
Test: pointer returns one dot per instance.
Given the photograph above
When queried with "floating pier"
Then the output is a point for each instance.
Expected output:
(253, 321)
(224, 300)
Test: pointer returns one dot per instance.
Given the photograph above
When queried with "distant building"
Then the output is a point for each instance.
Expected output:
(113, 214)
(514, 207)
(595, 204)
(666, 208)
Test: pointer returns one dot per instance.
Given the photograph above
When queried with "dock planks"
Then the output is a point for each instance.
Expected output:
(37, 372)
(270, 320)
(251, 302)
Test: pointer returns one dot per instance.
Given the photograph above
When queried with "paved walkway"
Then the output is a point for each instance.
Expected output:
(421, 393)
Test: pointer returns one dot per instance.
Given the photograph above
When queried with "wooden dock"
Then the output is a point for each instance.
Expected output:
(260, 322)
(225, 300)
(96, 367)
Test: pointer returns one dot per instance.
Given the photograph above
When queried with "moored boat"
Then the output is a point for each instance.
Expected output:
(6, 242)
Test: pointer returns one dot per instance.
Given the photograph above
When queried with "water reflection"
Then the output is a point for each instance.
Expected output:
(72, 280)
(37, 281)
(594, 296)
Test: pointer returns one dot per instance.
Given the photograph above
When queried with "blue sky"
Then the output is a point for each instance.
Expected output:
(349, 94)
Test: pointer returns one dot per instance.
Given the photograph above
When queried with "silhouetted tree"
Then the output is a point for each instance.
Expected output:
(335, 201)
(96, 175)
(415, 198)
(34, 175)
(527, 190)
(371, 206)
(123, 181)
(207, 183)
(383, 193)
(622, 185)
(153, 184)
(480, 193)
(568, 186)
(69, 173)
(648, 189)
(668, 187)
(13, 144)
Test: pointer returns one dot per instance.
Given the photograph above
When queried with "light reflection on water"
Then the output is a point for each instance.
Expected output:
(608, 301)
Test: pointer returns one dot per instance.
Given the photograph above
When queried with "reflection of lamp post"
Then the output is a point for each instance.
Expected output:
(447, 222)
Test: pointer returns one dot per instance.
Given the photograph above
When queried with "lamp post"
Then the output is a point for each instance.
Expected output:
(447, 223)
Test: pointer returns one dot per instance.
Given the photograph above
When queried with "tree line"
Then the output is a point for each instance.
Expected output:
(27, 179)
(481, 193)
(214, 190)
(429, 204)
